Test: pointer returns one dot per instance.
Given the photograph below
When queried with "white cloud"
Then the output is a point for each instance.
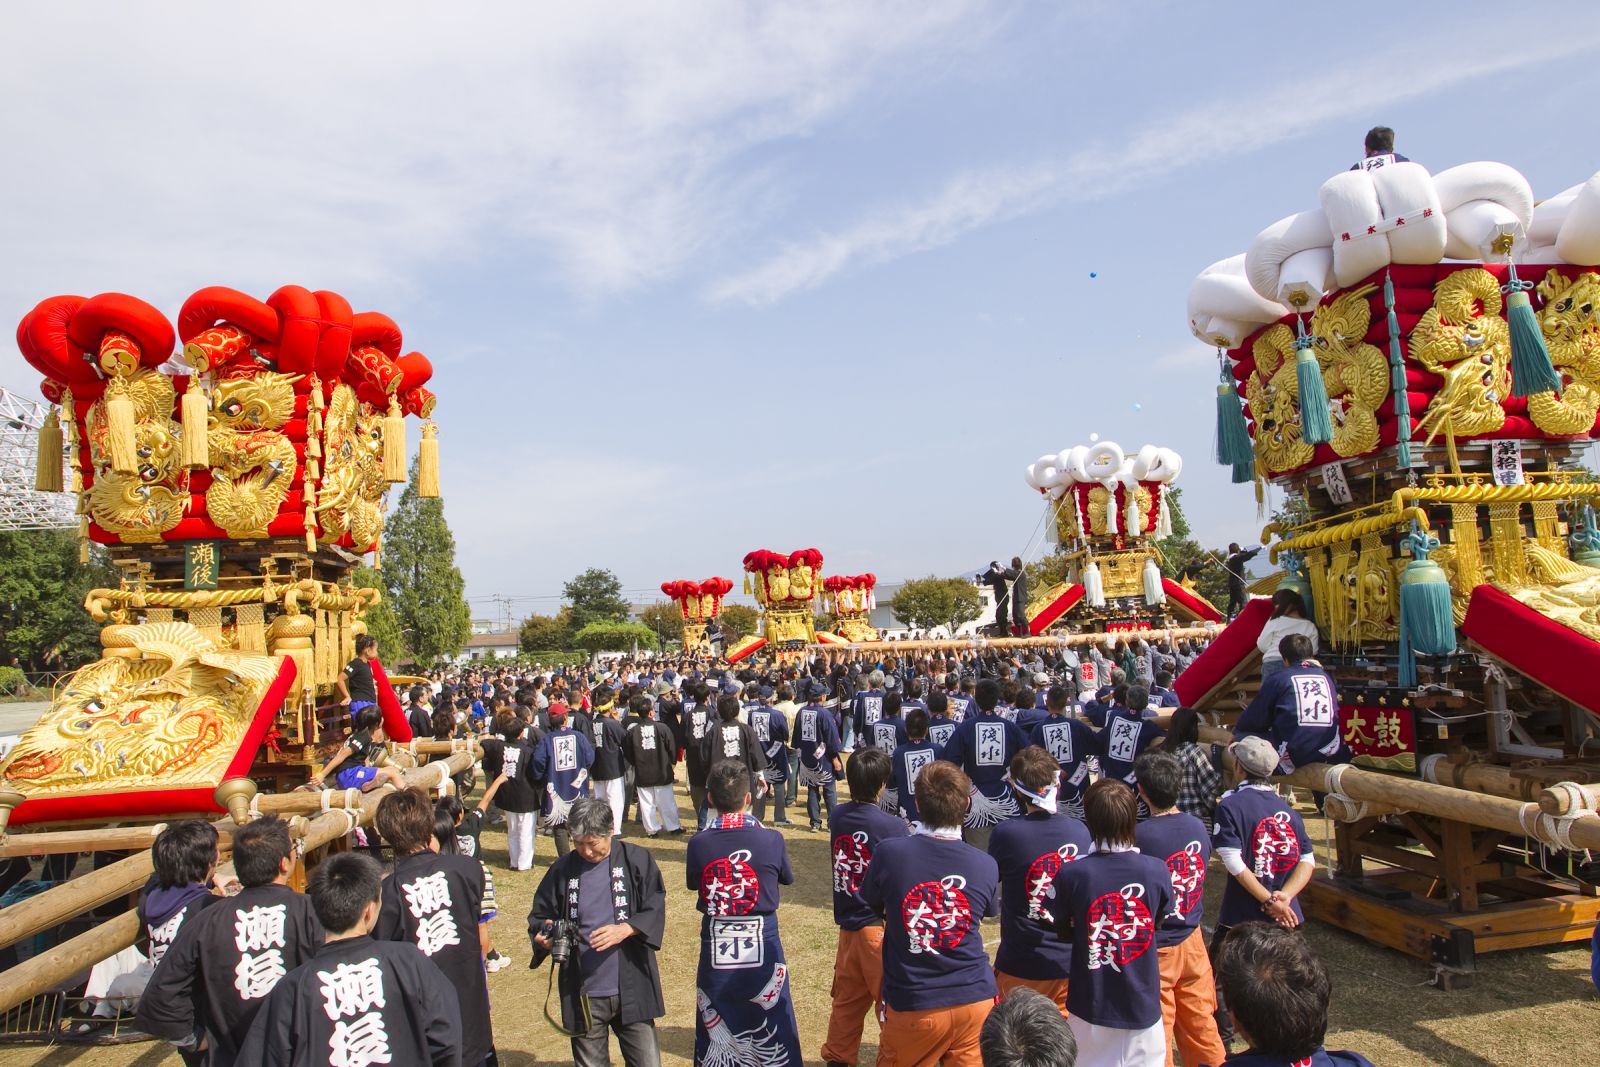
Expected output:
(1292, 108)
(346, 144)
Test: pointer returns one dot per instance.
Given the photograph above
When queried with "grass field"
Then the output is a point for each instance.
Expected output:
(1524, 1007)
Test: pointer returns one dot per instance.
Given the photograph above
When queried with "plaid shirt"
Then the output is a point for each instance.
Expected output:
(1197, 795)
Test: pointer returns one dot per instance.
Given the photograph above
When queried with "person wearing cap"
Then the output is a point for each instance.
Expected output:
(1263, 845)
(668, 710)
(1297, 711)
(771, 731)
(1030, 852)
(816, 738)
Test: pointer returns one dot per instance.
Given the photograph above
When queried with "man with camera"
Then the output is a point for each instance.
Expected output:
(599, 915)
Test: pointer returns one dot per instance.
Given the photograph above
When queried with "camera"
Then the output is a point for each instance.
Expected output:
(562, 935)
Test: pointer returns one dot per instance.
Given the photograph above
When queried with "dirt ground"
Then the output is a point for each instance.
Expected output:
(1524, 1007)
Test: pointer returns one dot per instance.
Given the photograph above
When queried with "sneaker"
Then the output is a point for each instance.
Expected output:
(679, 832)
(784, 823)
(496, 962)
(815, 828)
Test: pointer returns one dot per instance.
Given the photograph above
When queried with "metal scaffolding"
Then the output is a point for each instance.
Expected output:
(21, 507)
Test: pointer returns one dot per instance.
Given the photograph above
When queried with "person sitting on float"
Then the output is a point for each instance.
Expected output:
(1297, 710)
(1288, 617)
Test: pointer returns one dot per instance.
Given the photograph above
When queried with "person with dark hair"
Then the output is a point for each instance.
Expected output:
(983, 747)
(456, 829)
(1030, 852)
(226, 960)
(856, 829)
(1201, 765)
(1288, 617)
(354, 759)
(933, 891)
(419, 711)
(941, 722)
(561, 761)
(961, 694)
(1297, 711)
(612, 894)
(816, 738)
(1188, 990)
(1162, 695)
(697, 721)
(357, 1000)
(184, 856)
(508, 758)
(1277, 991)
(889, 732)
(907, 762)
(652, 752)
(735, 740)
(1127, 734)
(866, 708)
(609, 771)
(1071, 743)
(356, 684)
(736, 865)
(435, 901)
(1237, 568)
(1027, 1029)
(1016, 578)
(1379, 146)
(995, 579)
(1110, 904)
(771, 730)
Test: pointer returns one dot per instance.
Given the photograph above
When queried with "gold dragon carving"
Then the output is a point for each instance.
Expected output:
(144, 505)
(252, 463)
(165, 709)
(1573, 339)
(1464, 340)
(350, 496)
(1356, 373)
(1274, 394)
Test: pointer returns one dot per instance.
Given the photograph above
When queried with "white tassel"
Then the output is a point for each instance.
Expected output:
(1154, 593)
(1112, 515)
(1052, 533)
(1094, 589)
(1163, 516)
(1135, 522)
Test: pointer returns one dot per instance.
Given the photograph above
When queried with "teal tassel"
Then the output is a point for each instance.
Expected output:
(1397, 375)
(1531, 369)
(1244, 472)
(1316, 425)
(1427, 620)
(1585, 539)
(1233, 436)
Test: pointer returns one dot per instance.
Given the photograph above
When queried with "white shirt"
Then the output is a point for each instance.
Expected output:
(1277, 629)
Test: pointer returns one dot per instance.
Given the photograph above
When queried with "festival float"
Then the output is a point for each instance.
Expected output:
(1107, 509)
(850, 600)
(1415, 365)
(234, 486)
(699, 603)
(785, 588)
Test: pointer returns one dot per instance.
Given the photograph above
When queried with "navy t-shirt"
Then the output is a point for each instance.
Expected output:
(983, 746)
(1298, 711)
(1110, 905)
(1320, 1058)
(1028, 718)
(736, 866)
(1125, 737)
(1271, 838)
(932, 894)
(963, 706)
(940, 729)
(887, 734)
(856, 831)
(1181, 842)
(866, 709)
(1070, 743)
(817, 740)
(906, 763)
(1030, 852)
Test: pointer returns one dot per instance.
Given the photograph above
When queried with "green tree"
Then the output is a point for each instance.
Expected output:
(420, 576)
(595, 596)
(615, 637)
(546, 633)
(380, 620)
(42, 586)
(1181, 552)
(665, 618)
(925, 603)
(738, 621)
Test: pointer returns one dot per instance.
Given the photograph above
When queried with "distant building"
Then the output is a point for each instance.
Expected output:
(499, 644)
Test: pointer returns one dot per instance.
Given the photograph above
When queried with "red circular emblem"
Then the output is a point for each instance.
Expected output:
(1042, 876)
(850, 858)
(1276, 848)
(729, 886)
(1188, 877)
(1120, 928)
(937, 915)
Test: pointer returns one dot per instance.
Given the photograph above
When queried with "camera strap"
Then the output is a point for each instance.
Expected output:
(620, 913)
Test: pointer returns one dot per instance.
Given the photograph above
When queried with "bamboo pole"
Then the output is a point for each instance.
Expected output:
(1407, 794)
(1569, 798)
(113, 839)
(968, 644)
(48, 970)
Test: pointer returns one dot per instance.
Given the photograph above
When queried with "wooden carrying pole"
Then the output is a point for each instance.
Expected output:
(1477, 809)
(50, 969)
(968, 644)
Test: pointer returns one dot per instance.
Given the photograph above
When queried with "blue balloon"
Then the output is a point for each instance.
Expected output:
(1094, 274)
(1138, 407)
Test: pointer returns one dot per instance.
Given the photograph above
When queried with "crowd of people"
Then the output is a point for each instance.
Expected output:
(1063, 791)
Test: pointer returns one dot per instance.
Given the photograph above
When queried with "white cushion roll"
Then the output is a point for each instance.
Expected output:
(1579, 239)
(1351, 203)
(1305, 277)
(1548, 215)
(1278, 242)
(1540, 255)
(1222, 291)
(1406, 192)
(1476, 225)
(1228, 333)
(1484, 180)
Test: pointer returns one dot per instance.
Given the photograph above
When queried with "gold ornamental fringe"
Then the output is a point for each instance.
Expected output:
(1469, 548)
(324, 651)
(394, 444)
(157, 615)
(209, 622)
(195, 419)
(47, 462)
(428, 462)
(249, 628)
(347, 640)
(121, 427)
(1505, 543)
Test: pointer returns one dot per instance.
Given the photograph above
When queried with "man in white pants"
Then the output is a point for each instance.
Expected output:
(608, 775)
(517, 797)
(652, 750)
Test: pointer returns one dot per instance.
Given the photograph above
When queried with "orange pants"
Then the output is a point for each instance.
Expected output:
(1054, 988)
(1189, 1002)
(938, 1035)
(857, 974)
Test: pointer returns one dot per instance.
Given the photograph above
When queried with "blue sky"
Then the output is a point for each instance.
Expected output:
(700, 278)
